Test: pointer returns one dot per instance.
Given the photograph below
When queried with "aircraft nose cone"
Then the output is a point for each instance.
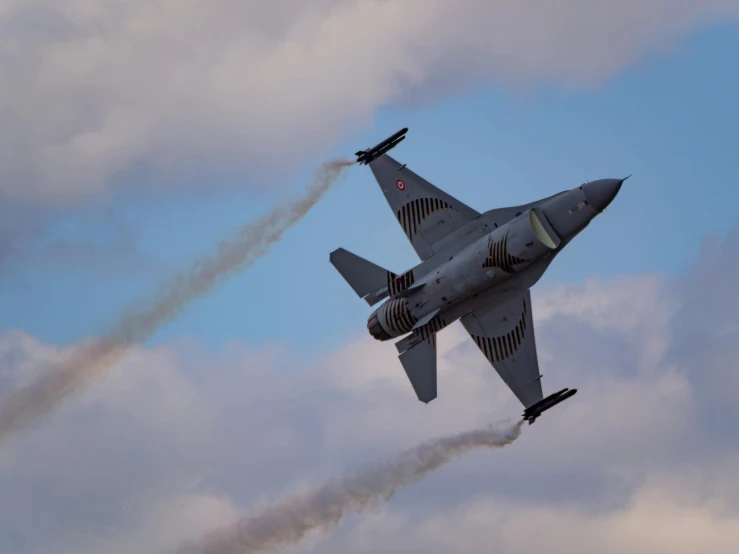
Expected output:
(602, 192)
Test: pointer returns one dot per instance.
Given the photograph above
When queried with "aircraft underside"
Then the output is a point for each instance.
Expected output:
(475, 268)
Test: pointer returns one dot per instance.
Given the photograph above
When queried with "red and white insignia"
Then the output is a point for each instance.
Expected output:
(401, 185)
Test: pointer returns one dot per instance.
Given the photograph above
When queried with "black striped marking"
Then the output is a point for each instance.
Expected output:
(398, 317)
(396, 284)
(414, 212)
(499, 257)
(428, 332)
(498, 349)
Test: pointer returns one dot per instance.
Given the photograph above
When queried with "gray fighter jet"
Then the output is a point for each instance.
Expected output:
(477, 268)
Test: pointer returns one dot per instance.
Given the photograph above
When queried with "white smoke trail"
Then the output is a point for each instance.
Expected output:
(288, 521)
(143, 319)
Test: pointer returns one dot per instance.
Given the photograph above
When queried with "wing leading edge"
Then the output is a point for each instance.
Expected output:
(505, 335)
(426, 213)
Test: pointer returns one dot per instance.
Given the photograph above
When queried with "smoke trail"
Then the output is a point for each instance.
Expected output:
(288, 521)
(143, 318)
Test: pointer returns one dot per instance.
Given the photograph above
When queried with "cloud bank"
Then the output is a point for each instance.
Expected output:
(288, 521)
(178, 440)
(102, 94)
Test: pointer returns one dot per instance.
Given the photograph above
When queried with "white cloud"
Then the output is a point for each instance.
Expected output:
(158, 515)
(177, 439)
(660, 517)
(96, 92)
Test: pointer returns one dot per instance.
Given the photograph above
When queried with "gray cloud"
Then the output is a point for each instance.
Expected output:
(178, 440)
(97, 93)
(705, 346)
(289, 521)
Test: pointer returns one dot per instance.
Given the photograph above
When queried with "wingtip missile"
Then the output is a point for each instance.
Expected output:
(364, 157)
(532, 412)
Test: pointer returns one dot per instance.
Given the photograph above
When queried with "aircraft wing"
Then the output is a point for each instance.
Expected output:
(505, 335)
(425, 213)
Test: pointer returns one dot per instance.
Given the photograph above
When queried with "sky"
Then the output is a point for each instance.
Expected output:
(136, 135)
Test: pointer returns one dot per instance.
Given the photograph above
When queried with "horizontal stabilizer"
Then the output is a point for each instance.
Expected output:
(419, 363)
(369, 281)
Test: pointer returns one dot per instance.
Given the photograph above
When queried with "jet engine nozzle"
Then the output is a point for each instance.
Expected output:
(391, 319)
(375, 329)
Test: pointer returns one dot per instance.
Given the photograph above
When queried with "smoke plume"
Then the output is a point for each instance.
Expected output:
(143, 319)
(288, 521)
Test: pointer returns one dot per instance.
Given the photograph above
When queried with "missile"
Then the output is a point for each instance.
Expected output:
(366, 156)
(532, 412)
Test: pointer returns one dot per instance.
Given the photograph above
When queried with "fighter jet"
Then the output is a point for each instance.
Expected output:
(477, 268)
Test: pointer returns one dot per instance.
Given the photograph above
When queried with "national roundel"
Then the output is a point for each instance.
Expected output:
(401, 185)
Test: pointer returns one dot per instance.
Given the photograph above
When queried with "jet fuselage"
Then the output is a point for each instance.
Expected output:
(522, 247)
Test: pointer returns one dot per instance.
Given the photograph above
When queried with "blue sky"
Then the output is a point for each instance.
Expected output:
(136, 135)
(670, 120)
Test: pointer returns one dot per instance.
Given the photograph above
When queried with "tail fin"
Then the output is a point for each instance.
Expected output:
(369, 281)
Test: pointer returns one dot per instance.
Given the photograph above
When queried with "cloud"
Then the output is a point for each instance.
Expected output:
(660, 517)
(179, 439)
(100, 95)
